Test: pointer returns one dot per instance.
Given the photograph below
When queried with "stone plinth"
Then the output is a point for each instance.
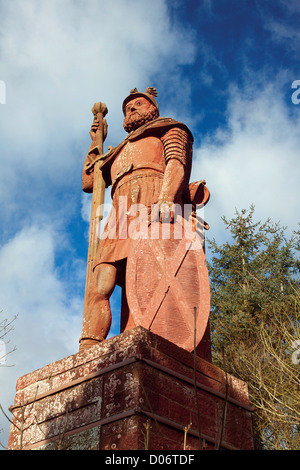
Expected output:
(104, 398)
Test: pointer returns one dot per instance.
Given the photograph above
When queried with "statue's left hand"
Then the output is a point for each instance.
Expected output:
(163, 211)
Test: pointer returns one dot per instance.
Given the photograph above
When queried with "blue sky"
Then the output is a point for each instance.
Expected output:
(224, 67)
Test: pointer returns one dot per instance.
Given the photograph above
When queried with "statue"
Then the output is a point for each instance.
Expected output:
(145, 246)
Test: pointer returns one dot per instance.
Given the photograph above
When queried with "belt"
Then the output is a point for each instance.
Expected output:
(130, 168)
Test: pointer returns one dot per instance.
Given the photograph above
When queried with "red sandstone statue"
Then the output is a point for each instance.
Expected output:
(162, 278)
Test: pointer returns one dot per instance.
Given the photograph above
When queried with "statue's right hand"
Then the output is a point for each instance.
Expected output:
(94, 128)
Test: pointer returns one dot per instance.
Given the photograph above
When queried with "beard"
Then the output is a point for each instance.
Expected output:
(135, 120)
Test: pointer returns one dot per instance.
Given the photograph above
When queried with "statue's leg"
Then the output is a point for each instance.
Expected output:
(97, 322)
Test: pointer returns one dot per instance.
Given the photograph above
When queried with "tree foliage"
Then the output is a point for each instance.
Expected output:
(255, 321)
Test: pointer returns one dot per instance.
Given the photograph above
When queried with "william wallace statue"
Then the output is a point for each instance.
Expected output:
(150, 169)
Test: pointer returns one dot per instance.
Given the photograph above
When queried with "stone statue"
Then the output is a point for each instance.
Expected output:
(149, 176)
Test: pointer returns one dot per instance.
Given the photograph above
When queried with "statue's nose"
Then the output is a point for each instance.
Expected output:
(132, 107)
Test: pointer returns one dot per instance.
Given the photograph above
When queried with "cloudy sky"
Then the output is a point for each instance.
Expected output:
(224, 67)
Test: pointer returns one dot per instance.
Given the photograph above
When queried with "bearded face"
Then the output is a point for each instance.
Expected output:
(137, 112)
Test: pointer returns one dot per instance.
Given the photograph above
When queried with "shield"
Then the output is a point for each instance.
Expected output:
(165, 280)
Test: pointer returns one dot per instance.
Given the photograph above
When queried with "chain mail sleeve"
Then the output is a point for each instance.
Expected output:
(177, 145)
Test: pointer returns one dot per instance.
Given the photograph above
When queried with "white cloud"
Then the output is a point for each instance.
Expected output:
(32, 288)
(254, 160)
(49, 311)
(57, 59)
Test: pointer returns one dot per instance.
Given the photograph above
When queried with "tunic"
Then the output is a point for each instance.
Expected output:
(136, 173)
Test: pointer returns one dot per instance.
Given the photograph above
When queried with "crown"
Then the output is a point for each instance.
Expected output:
(149, 94)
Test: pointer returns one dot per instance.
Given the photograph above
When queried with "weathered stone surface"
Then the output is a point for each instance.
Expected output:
(152, 245)
(102, 398)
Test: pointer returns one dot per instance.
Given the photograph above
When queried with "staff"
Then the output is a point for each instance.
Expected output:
(98, 134)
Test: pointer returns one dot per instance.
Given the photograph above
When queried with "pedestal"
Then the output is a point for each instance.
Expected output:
(135, 391)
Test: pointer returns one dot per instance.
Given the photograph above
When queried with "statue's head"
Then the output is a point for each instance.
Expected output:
(139, 108)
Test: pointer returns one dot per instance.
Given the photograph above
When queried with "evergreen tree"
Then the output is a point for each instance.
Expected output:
(255, 321)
